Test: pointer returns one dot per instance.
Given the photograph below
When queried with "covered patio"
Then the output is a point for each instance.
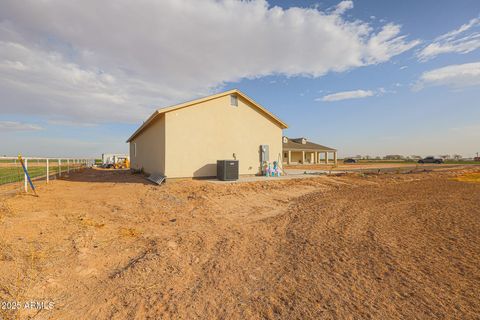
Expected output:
(301, 151)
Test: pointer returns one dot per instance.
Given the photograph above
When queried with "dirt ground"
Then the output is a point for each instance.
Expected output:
(109, 245)
(361, 166)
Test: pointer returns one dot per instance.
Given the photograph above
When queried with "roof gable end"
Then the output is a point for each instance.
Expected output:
(254, 104)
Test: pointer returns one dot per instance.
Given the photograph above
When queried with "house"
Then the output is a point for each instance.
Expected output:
(187, 139)
(302, 151)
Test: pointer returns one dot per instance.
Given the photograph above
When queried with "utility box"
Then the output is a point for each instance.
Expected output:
(264, 153)
(227, 170)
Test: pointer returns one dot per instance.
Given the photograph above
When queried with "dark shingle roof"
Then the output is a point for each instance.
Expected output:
(296, 144)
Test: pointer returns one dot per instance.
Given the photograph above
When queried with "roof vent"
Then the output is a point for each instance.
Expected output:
(234, 100)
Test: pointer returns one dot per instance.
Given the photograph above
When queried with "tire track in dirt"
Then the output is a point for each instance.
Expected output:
(355, 246)
(399, 251)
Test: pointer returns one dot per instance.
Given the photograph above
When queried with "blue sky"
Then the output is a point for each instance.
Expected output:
(365, 77)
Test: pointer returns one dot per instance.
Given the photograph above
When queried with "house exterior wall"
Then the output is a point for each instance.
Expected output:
(199, 135)
(150, 145)
(297, 156)
(310, 157)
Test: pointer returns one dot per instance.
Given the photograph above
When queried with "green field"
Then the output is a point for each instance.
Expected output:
(15, 173)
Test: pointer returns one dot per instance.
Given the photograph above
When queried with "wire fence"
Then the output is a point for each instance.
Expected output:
(13, 178)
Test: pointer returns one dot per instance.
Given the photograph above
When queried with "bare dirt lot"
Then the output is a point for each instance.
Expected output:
(368, 166)
(109, 245)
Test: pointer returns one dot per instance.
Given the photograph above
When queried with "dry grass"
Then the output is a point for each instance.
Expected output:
(469, 177)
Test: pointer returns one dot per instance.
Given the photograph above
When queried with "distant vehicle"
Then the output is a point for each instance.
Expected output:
(431, 160)
(115, 161)
(476, 159)
(349, 160)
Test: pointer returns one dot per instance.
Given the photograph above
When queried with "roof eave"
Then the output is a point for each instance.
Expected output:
(143, 126)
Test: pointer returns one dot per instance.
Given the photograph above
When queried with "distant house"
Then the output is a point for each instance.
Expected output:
(187, 139)
(302, 151)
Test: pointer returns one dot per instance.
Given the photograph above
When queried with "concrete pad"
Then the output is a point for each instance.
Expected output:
(263, 178)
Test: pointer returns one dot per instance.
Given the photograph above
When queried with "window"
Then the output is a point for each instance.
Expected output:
(233, 100)
(134, 149)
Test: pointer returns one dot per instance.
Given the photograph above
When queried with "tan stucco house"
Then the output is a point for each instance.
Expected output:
(187, 139)
(302, 151)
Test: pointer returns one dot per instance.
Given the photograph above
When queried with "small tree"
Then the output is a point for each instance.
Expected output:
(393, 157)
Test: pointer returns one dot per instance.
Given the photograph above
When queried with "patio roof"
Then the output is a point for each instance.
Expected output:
(295, 144)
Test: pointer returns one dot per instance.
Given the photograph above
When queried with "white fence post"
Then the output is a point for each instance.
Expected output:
(25, 178)
(48, 173)
(34, 170)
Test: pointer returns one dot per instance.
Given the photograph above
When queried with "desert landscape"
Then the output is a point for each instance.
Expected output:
(107, 244)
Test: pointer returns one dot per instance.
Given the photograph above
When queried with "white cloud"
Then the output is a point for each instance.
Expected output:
(47, 84)
(18, 126)
(345, 95)
(97, 61)
(343, 6)
(463, 40)
(455, 76)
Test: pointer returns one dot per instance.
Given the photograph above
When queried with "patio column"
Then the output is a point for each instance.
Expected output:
(335, 157)
(289, 157)
(326, 157)
(303, 157)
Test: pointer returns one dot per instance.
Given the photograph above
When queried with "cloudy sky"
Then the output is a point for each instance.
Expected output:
(367, 77)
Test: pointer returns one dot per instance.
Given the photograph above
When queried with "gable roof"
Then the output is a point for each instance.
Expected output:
(296, 144)
(158, 112)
